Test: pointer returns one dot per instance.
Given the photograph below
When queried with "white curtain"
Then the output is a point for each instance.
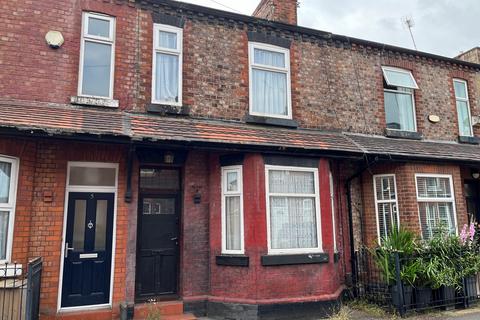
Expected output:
(4, 215)
(269, 58)
(292, 218)
(167, 40)
(232, 215)
(166, 78)
(399, 111)
(5, 173)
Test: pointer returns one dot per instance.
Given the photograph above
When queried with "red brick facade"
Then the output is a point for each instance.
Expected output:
(336, 84)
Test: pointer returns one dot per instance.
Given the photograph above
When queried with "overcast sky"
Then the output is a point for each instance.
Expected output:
(444, 27)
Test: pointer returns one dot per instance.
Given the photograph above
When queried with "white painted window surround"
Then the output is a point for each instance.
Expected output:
(232, 210)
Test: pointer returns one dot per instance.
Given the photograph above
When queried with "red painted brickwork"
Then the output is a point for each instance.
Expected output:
(40, 208)
(277, 10)
(406, 191)
(261, 284)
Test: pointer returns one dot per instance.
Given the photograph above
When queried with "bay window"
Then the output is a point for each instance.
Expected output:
(399, 86)
(293, 212)
(232, 210)
(167, 65)
(97, 56)
(436, 203)
(463, 108)
(8, 189)
(269, 81)
(386, 204)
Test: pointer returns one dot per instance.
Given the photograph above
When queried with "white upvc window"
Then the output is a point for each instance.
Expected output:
(97, 56)
(399, 86)
(232, 210)
(293, 210)
(463, 108)
(386, 204)
(167, 65)
(436, 203)
(332, 204)
(8, 194)
(270, 88)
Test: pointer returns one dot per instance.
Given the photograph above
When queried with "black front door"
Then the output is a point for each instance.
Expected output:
(472, 197)
(157, 254)
(88, 249)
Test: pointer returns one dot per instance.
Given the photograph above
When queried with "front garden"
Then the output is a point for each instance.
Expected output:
(406, 274)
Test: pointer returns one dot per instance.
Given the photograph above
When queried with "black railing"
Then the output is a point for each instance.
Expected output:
(388, 290)
(20, 290)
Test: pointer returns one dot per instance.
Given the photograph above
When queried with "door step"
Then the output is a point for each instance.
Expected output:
(164, 310)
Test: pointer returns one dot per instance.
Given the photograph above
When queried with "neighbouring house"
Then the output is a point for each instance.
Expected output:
(226, 165)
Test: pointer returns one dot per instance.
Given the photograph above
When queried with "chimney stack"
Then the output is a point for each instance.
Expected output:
(277, 10)
(472, 55)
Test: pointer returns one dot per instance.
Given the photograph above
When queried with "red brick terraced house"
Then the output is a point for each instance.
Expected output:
(225, 165)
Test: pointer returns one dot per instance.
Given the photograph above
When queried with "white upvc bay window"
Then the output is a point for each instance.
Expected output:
(293, 210)
(97, 52)
(463, 108)
(436, 203)
(386, 204)
(270, 90)
(232, 210)
(8, 193)
(167, 65)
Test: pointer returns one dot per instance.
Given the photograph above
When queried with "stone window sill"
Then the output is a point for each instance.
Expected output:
(96, 102)
(468, 140)
(292, 259)
(403, 134)
(232, 260)
(271, 121)
(168, 109)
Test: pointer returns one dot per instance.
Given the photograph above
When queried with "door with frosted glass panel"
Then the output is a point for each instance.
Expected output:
(88, 249)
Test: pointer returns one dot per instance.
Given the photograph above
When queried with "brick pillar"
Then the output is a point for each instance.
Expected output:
(277, 10)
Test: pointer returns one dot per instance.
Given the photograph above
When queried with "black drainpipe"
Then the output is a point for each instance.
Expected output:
(348, 184)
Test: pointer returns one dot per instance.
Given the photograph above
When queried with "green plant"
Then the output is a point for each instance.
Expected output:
(153, 311)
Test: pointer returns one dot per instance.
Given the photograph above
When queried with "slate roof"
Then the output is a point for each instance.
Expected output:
(64, 120)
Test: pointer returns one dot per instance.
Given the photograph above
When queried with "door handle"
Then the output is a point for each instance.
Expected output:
(67, 248)
(174, 238)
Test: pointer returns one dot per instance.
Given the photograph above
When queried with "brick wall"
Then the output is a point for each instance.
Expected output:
(334, 85)
(277, 10)
(406, 192)
(40, 208)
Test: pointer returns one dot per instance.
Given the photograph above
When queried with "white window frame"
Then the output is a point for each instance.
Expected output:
(10, 207)
(98, 39)
(332, 207)
(436, 200)
(467, 100)
(377, 201)
(177, 52)
(411, 93)
(252, 65)
(225, 194)
(318, 249)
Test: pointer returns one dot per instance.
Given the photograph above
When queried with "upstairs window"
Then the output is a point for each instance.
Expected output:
(293, 210)
(232, 210)
(269, 81)
(97, 56)
(399, 86)
(167, 65)
(8, 189)
(386, 204)
(463, 108)
(436, 203)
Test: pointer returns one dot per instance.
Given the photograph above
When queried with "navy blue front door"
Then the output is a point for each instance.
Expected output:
(88, 249)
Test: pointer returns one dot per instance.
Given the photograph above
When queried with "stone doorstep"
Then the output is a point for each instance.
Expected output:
(168, 310)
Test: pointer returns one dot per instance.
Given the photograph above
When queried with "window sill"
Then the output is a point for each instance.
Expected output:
(468, 140)
(168, 109)
(271, 121)
(232, 260)
(96, 102)
(403, 134)
(292, 259)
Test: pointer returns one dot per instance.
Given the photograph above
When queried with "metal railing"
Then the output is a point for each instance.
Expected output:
(394, 294)
(20, 290)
